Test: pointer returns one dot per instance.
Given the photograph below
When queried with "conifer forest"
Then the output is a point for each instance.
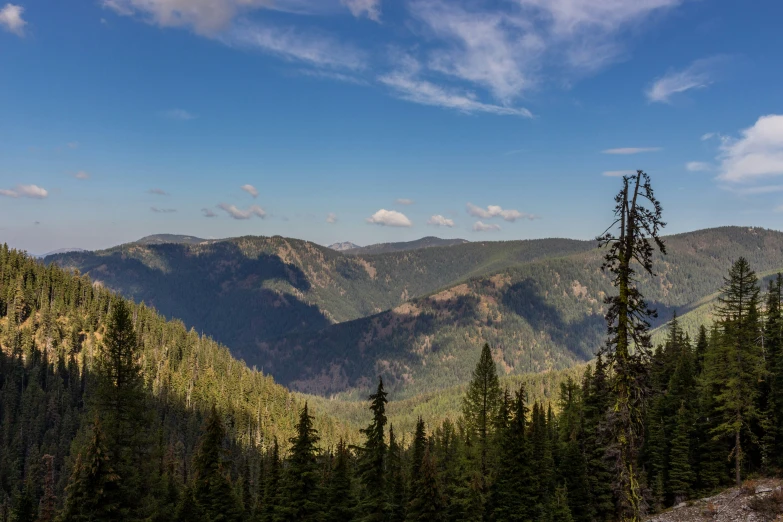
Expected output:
(111, 411)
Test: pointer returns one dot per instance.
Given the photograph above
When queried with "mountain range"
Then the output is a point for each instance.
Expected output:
(329, 322)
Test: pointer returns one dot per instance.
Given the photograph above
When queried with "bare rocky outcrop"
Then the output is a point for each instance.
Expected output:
(755, 501)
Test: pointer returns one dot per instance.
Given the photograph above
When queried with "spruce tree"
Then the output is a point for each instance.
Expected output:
(480, 404)
(271, 483)
(93, 492)
(773, 345)
(680, 472)
(396, 480)
(301, 492)
(427, 502)
(340, 495)
(628, 344)
(373, 504)
(212, 490)
(737, 363)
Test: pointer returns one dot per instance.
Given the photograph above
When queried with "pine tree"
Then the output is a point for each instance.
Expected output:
(271, 484)
(47, 506)
(120, 402)
(559, 510)
(427, 502)
(737, 362)
(596, 403)
(514, 494)
(93, 492)
(373, 504)
(212, 490)
(773, 345)
(301, 489)
(397, 497)
(340, 496)
(480, 404)
(628, 345)
(680, 472)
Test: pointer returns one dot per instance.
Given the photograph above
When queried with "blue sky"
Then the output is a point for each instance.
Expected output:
(382, 120)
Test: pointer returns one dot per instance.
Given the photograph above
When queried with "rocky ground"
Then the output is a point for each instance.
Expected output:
(756, 501)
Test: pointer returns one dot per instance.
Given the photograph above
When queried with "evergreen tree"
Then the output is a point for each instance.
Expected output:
(514, 494)
(373, 504)
(480, 404)
(212, 490)
(680, 472)
(427, 502)
(628, 345)
(301, 489)
(773, 345)
(93, 493)
(397, 497)
(271, 483)
(559, 510)
(341, 501)
(596, 404)
(737, 363)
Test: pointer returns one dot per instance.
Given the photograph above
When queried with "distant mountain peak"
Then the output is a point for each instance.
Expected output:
(159, 239)
(342, 247)
(425, 242)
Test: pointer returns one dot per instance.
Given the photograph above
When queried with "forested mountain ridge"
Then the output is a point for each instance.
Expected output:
(245, 290)
(53, 329)
(385, 248)
(538, 316)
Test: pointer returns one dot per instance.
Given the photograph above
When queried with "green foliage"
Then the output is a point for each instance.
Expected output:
(372, 462)
(301, 489)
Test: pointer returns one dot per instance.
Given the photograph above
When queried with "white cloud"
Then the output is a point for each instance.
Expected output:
(440, 221)
(82, 175)
(404, 201)
(11, 19)
(158, 192)
(752, 191)
(179, 114)
(757, 154)
(631, 150)
(25, 191)
(708, 136)
(208, 213)
(697, 166)
(504, 48)
(697, 75)
(478, 226)
(331, 217)
(250, 189)
(313, 48)
(369, 8)
(617, 173)
(163, 210)
(406, 86)
(236, 213)
(390, 218)
(492, 211)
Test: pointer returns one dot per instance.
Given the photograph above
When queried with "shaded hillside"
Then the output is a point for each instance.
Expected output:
(245, 290)
(539, 316)
(385, 248)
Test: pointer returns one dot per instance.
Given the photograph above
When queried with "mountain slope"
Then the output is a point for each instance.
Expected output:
(159, 239)
(245, 290)
(385, 248)
(542, 315)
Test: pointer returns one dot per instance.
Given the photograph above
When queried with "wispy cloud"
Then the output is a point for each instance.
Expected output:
(404, 201)
(72, 145)
(206, 212)
(389, 218)
(708, 136)
(331, 218)
(25, 191)
(179, 114)
(754, 191)
(11, 19)
(697, 166)
(406, 86)
(617, 173)
(163, 210)
(369, 8)
(237, 213)
(314, 48)
(631, 150)
(697, 75)
(250, 189)
(82, 175)
(479, 226)
(492, 211)
(158, 192)
(440, 221)
(757, 154)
